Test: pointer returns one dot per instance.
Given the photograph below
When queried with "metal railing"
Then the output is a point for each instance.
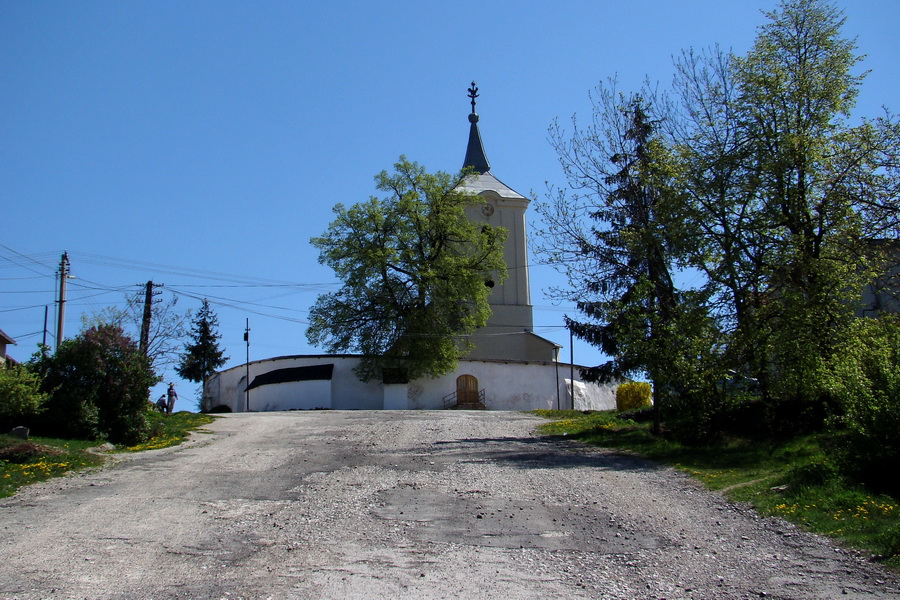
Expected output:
(450, 400)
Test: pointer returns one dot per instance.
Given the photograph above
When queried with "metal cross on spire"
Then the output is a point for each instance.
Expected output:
(475, 157)
(473, 93)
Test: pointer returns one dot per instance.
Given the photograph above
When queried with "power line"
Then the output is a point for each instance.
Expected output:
(230, 304)
(28, 258)
(21, 278)
(23, 308)
(173, 270)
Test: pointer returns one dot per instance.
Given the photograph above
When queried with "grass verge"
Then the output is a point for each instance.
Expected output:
(38, 459)
(792, 479)
(170, 430)
(23, 463)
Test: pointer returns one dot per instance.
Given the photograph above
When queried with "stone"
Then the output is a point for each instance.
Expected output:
(19, 432)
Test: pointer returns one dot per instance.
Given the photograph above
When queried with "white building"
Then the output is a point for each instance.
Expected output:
(5, 341)
(510, 368)
(328, 382)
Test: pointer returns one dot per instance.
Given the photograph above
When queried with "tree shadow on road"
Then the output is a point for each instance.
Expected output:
(549, 452)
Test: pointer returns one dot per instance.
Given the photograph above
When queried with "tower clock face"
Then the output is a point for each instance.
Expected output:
(487, 209)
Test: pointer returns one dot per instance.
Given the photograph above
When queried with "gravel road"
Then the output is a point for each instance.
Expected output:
(446, 504)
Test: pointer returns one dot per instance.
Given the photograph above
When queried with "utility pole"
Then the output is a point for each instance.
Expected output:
(148, 313)
(46, 315)
(247, 339)
(61, 311)
(145, 322)
(556, 363)
(572, 365)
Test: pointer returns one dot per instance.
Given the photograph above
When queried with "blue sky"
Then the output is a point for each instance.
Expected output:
(201, 144)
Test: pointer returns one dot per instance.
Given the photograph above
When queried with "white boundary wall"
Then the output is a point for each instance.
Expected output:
(507, 385)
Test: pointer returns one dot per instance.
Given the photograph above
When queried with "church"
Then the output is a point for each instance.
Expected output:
(509, 368)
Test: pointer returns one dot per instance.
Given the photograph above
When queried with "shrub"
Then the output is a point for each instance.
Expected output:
(864, 378)
(21, 398)
(889, 542)
(99, 383)
(700, 415)
(633, 395)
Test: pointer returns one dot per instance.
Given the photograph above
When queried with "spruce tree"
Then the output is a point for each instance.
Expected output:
(202, 356)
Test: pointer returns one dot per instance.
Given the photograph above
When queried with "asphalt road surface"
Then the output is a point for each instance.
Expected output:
(446, 504)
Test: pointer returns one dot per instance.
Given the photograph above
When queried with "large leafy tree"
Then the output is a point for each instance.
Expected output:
(98, 384)
(769, 199)
(414, 269)
(785, 192)
(202, 355)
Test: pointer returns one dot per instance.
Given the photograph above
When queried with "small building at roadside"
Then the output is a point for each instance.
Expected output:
(5, 341)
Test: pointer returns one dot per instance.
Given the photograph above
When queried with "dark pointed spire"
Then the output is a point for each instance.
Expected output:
(475, 156)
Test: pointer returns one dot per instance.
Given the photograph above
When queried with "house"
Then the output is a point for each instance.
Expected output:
(5, 340)
(882, 295)
(510, 367)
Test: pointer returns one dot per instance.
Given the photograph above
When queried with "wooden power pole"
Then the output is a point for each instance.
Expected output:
(144, 343)
(61, 309)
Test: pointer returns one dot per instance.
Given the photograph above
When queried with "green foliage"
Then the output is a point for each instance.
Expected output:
(21, 398)
(99, 383)
(780, 189)
(170, 430)
(202, 355)
(889, 544)
(39, 459)
(633, 395)
(752, 179)
(618, 239)
(168, 325)
(413, 269)
(864, 378)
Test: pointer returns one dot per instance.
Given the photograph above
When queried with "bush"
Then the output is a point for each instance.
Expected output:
(864, 379)
(700, 416)
(99, 383)
(21, 398)
(633, 395)
(889, 543)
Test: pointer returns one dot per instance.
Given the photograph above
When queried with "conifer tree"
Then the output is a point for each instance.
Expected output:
(202, 356)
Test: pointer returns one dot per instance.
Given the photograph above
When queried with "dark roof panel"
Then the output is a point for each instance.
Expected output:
(310, 373)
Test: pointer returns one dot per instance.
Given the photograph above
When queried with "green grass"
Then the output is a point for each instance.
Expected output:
(791, 478)
(41, 459)
(23, 463)
(170, 430)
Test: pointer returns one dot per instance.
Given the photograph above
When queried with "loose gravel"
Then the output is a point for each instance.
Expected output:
(448, 504)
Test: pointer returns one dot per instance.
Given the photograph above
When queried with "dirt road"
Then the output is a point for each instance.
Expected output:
(402, 505)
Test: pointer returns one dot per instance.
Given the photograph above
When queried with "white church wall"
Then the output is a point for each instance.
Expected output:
(591, 396)
(396, 396)
(348, 392)
(296, 395)
(507, 385)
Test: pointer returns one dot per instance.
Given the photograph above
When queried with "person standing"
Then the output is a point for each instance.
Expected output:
(173, 396)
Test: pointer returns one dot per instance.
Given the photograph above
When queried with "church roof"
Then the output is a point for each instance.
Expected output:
(475, 156)
(482, 180)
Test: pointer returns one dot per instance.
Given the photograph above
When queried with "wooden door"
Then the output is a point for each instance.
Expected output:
(466, 389)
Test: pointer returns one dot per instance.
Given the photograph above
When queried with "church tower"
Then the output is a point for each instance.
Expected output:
(508, 334)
